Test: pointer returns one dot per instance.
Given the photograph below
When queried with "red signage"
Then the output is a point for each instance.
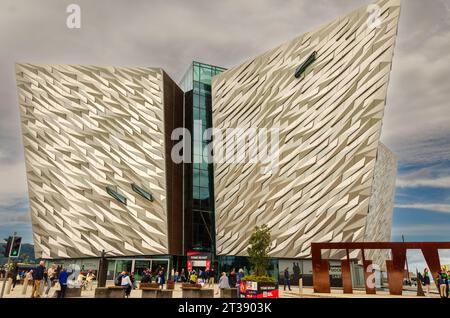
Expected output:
(258, 290)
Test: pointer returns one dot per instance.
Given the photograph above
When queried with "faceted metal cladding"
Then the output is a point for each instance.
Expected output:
(381, 205)
(86, 129)
(330, 122)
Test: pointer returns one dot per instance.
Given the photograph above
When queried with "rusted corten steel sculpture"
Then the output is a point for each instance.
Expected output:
(395, 267)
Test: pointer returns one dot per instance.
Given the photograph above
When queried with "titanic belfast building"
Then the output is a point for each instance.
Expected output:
(99, 145)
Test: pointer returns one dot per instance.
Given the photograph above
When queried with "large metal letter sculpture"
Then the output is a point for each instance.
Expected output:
(395, 267)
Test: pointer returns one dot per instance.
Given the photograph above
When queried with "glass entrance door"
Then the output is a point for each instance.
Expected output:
(158, 265)
(139, 267)
(123, 266)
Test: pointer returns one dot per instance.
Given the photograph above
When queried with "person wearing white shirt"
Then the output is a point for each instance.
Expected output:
(126, 282)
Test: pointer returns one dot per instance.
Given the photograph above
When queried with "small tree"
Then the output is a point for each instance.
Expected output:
(259, 248)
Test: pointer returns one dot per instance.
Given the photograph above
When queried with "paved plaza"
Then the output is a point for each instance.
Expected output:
(307, 292)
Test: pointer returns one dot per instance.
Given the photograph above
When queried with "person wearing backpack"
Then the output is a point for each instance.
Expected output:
(126, 282)
(118, 280)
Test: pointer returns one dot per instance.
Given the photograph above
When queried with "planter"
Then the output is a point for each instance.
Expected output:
(101, 292)
(188, 285)
(191, 291)
(116, 291)
(148, 285)
(249, 289)
(228, 293)
(170, 285)
(70, 293)
(156, 293)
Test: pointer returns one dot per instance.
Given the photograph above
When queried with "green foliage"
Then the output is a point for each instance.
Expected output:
(259, 279)
(258, 250)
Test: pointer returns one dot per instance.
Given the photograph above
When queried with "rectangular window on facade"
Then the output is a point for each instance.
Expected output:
(302, 68)
(142, 192)
(116, 195)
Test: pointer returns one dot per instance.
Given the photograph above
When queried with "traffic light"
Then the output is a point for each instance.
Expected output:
(7, 246)
(15, 247)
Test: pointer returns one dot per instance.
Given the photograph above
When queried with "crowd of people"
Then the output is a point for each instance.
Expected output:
(442, 280)
(205, 278)
(42, 279)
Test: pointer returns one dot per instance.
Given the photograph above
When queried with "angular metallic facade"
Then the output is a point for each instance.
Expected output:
(87, 128)
(381, 205)
(330, 121)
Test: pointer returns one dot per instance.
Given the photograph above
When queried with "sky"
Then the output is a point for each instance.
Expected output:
(171, 34)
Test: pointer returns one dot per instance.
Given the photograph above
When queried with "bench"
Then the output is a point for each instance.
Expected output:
(149, 292)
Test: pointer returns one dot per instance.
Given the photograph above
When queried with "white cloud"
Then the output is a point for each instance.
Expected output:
(421, 230)
(435, 207)
(14, 218)
(416, 260)
(442, 182)
(13, 181)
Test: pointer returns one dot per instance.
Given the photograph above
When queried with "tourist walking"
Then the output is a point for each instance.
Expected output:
(26, 280)
(232, 277)
(193, 277)
(14, 277)
(224, 283)
(90, 279)
(426, 281)
(63, 276)
(38, 277)
(287, 279)
(212, 276)
(51, 275)
(160, 280)
(182, 276)
(239, 276)
(126, 282)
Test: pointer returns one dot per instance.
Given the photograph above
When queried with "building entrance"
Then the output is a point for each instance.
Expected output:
(137, 266)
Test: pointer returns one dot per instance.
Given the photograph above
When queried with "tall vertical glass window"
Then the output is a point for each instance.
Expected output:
(199, 213)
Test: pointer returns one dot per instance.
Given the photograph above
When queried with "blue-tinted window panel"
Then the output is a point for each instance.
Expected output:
(116, 195)
(196, 179)
(205, 75)
(196, 113)
(204, 193)
(196, 100)
(196, 193)
(196, 73)
(142, 192)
